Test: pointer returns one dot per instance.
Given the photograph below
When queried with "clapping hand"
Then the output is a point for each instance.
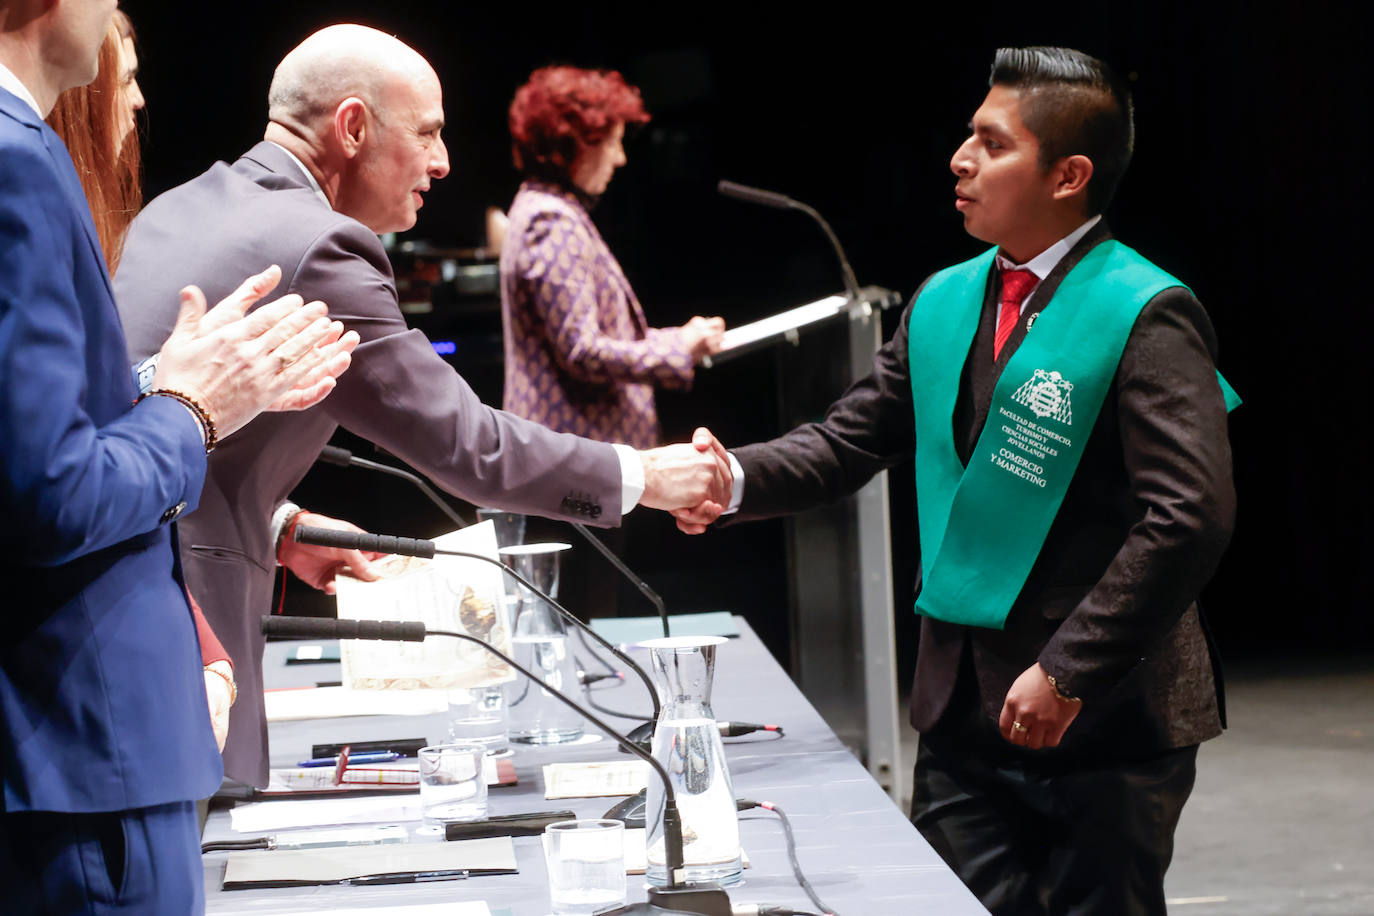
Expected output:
(284, 356)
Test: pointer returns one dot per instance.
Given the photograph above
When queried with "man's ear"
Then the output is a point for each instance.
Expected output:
(1071, 176)
(351, 124)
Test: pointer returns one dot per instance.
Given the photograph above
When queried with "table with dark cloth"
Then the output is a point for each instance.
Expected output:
(859, 851)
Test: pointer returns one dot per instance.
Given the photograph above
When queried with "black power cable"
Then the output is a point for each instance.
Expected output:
(582, 637)
(744, 804)
(587, 681)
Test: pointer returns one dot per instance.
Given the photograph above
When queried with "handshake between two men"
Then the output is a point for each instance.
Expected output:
(690, 480)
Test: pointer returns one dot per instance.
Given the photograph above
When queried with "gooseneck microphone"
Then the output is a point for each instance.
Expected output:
(332, 454)
(783, 202)
(414, 547)
(678, 896)
(331, 628)
(654, 598)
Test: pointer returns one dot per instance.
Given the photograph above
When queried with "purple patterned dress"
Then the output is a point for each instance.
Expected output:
(580, 357)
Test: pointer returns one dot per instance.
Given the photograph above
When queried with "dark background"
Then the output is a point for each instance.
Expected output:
(1250, 182)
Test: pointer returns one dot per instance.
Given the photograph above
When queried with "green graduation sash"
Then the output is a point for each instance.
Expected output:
(982, 527)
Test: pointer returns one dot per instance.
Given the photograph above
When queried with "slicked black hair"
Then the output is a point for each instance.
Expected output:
(1074, 105)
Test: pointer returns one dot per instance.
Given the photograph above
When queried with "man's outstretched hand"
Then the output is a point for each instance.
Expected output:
(688, 479)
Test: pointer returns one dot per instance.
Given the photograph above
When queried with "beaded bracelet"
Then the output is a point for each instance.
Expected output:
(233, 688)
(207, 425)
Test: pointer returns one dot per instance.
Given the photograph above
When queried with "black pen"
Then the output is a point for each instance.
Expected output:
(407, 877)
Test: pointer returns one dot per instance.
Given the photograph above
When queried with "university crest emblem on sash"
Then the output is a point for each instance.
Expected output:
(1047, 395)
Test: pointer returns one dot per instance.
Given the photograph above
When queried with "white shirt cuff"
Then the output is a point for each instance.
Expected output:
(631, 477)
(280, 517)
(737, 487)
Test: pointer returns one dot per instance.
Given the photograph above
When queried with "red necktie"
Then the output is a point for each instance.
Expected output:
(1016, 285)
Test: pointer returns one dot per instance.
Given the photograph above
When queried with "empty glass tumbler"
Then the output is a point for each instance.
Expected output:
(586, 865)
(540, 642)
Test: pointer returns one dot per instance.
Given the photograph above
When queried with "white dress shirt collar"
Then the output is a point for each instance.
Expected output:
(10, 82)
(1049, 259)
(315, 185)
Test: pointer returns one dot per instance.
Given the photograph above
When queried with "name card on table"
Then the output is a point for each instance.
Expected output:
(595, 780)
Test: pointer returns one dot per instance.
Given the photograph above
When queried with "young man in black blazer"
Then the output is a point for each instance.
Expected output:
(1072, 504)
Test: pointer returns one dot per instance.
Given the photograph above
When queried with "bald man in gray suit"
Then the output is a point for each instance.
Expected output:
(353, 142)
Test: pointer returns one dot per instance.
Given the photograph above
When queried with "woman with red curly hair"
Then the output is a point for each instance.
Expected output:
(580, 357)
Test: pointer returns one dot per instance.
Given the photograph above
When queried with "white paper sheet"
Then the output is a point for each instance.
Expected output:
(593, 780)
(259, 818)
(337, 702)
(456, 908)
(446, 593)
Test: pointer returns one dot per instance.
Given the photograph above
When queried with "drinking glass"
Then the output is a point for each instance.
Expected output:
(477, 715)
(452, 785)
(510, 526)
(540, 643)
(586, 865)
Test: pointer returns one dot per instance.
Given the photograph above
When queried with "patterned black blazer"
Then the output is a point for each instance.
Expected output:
(1110, 605)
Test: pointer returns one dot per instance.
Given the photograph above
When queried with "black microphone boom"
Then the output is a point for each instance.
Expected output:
(414, 547)
(706, 899)
(654, 598)
(756, 195)
(332, 454)
(373, 543)
(783, 202)
(332, 628)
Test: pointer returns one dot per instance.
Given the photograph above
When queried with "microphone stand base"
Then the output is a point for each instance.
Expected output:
(642, 736)
(703, 899)
(631, 810)
(684, 900)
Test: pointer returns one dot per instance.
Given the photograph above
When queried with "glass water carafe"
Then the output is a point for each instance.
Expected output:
(540, 643)
(687, 743)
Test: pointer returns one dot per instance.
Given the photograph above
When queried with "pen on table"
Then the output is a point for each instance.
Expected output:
(369, 757)
(407, 877)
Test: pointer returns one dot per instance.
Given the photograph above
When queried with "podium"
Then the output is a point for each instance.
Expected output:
(839, 557)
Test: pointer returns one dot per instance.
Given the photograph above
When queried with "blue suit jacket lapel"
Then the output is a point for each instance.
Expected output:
(71, 184)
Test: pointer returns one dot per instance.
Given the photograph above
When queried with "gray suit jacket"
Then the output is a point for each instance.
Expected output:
(1110, 605)
(235, 220)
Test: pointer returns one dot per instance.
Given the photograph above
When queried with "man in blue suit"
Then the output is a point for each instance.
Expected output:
(104, 738)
